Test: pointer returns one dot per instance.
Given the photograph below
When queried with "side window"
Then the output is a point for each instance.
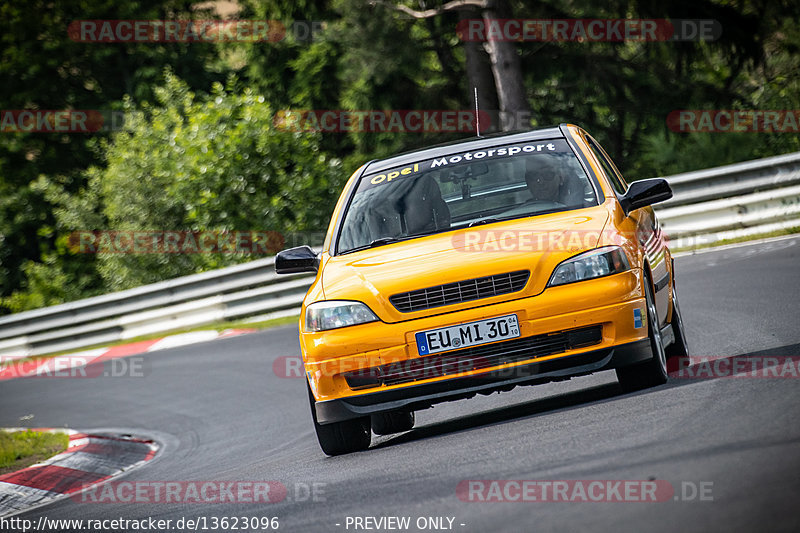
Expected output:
(609, 168)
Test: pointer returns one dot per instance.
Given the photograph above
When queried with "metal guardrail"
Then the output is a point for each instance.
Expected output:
(228, 293)
(708, 205)
(732, 201)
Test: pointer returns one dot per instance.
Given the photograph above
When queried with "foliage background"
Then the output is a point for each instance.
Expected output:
(200, 151)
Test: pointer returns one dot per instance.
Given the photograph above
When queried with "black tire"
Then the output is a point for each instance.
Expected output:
(679, 348)
(653, 372)
(338, 438)
(392, 422)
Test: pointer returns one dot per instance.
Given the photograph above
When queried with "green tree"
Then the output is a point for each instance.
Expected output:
(207, 162)
(42, 68)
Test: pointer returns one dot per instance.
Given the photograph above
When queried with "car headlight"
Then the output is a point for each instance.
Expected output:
(591, 264)
(321, 316)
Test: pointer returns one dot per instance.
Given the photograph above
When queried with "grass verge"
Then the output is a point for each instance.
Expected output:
(21, 449)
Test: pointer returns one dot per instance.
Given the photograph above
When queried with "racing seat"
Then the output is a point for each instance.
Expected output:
(572, 192)
(383, 220)
(424, 209)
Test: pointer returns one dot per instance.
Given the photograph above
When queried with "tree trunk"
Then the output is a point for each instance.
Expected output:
(507, 70)
(479, 75)
(504, 61)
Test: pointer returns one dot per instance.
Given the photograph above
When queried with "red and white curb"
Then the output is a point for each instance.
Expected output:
(89, 459)
(51, 366)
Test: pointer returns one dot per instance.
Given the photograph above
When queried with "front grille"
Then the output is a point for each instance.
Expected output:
(460, 291)
(474, 358)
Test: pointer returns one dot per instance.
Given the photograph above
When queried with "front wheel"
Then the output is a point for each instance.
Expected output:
(679, 348)
(653, 372)
(338, 438)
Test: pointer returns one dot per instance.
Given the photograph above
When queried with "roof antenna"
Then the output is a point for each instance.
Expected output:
(477, 114)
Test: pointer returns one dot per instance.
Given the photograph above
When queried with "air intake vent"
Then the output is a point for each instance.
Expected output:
(461, 291)
(474, 358)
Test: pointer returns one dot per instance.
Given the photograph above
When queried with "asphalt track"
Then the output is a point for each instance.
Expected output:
(221, 414)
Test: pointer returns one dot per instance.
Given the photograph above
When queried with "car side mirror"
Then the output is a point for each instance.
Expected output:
(293, 260)
(645, 192)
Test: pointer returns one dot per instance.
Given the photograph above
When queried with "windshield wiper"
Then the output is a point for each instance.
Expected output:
(382, 241)
(374, 244)
(390, 240)
(490, 220)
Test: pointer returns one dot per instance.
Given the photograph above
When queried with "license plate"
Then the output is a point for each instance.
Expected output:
(465, 335)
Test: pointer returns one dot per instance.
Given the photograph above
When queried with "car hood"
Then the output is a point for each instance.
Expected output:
(537, 244)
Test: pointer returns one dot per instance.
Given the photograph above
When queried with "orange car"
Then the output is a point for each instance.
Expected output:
(477, 266)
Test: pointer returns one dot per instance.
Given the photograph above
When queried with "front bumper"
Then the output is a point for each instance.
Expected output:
(424, 395)
(610, 302)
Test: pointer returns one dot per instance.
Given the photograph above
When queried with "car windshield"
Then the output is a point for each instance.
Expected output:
(465, 189)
